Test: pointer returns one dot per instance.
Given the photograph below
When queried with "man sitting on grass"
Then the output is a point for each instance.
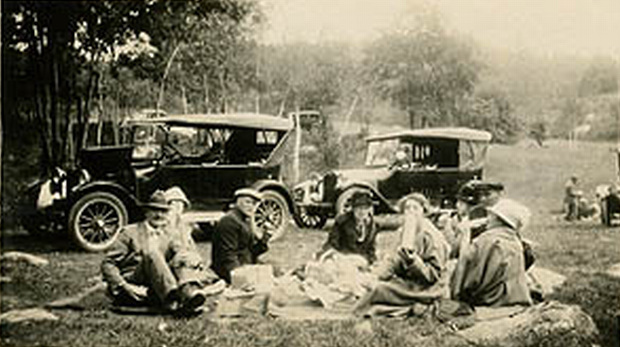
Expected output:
(234, 242)
(146, 265)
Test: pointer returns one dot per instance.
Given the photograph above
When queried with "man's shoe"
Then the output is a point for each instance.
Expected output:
(171, 306)
(191, 297)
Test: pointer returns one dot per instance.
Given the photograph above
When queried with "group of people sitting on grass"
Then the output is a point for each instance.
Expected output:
(475, 255)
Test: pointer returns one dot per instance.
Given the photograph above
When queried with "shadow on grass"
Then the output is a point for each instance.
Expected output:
(597, 295)
(584, 225)
(38, 244)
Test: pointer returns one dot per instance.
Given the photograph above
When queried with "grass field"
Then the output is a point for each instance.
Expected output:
(534, 176)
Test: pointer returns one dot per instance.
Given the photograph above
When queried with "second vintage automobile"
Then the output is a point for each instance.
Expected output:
(208, 155)
(432, 161)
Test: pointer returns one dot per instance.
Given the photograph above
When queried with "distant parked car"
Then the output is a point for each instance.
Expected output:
(308, 119)
(433, 161)
(208, 155)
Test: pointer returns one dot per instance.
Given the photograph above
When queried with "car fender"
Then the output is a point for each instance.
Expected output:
(384, 204)
(129, 199)
(262, 185)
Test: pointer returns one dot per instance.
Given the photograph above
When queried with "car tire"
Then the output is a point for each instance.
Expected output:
(311, 220)
(272, 214)
(343, 203)
(96, 219)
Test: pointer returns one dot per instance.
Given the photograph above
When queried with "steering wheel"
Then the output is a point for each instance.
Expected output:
(171, 152)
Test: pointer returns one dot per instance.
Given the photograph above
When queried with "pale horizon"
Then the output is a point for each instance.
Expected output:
(547, 27)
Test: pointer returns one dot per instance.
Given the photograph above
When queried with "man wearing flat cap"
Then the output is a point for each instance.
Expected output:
(234, 242)
(144, 267)
(355, 231)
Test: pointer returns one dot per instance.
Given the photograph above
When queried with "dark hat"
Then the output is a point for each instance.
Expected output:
(471, 191)
(157, 201)
(361, 198)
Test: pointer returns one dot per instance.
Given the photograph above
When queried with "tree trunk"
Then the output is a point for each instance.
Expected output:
(412, 117)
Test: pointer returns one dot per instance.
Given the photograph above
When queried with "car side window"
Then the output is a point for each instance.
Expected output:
(147, 140)
(205, 144)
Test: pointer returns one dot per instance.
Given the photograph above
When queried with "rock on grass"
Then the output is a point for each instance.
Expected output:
(548, 324)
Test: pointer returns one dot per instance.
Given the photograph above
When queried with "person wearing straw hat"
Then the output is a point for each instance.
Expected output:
(178, 202)
(234, 242)
(491, 268)
(415, 273)
(141, 267)
(354, 232)
(181, 231)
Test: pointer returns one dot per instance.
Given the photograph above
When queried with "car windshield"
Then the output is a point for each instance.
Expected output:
(198, 142)
(381, 153)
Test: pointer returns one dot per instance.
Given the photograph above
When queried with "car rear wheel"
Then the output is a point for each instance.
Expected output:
(311, 219)
(272, 214)
(343, 204)
(96, 219)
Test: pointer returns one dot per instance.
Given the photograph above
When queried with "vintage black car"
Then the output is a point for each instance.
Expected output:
(208, 155)
(432, 161)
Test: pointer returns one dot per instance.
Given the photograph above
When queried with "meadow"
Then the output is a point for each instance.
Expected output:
(535, 176)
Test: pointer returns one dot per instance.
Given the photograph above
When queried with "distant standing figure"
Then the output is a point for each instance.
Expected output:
(234, 242)
(571, 198)
(354, 232)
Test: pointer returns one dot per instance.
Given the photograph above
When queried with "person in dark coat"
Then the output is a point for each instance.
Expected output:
(354, 232)
(234, 242)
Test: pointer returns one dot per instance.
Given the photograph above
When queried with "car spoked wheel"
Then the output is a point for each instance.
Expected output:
(96, 219)
(311, 219)
(271, 215)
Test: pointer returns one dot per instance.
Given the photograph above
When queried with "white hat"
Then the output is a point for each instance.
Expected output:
(176, 194)
(511, 212)
(253, 193)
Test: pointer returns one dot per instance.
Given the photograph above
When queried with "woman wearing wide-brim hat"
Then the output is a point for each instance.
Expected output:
(491, 268)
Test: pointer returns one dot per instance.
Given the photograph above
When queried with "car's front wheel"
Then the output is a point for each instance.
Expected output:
(95, 220)
(343, 204)
(311, 219)
(272, 214)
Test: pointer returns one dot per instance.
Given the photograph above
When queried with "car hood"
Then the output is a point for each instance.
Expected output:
(367, 175)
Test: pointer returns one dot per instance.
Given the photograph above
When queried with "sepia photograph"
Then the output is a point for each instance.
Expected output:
(310, 173)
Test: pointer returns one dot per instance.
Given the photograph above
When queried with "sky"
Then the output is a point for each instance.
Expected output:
(582, 27)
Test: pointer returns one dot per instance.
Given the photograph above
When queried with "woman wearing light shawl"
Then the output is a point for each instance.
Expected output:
(415, 274)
